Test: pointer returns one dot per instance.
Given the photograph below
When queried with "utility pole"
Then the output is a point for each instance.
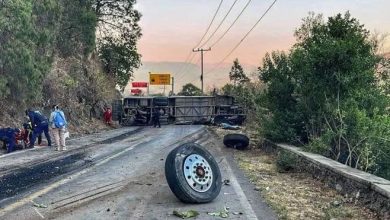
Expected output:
(201, 68)
(149, 84)
(173, 85)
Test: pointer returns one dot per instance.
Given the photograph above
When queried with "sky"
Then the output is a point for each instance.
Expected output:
(171, 28)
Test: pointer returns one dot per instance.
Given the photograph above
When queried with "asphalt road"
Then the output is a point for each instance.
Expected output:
(122, 177)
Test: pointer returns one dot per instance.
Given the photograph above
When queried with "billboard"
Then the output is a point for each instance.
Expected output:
(160, 78)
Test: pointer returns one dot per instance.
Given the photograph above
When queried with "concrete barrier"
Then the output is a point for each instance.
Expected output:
(354, 184)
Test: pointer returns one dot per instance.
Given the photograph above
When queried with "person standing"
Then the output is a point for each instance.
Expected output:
(58, 127)
(156, 118)
(39, 124)
(107, 116)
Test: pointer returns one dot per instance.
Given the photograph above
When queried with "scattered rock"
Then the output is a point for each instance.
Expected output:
(108, 209)
(339, 187)
(336, 203)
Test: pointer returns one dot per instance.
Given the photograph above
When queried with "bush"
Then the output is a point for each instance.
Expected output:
(287, 161)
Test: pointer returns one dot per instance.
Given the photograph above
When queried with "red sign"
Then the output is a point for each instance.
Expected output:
(139, 84)
(136, 91)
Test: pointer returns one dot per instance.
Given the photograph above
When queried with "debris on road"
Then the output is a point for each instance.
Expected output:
(229, 126)
(226, 182)
(223, 214)
(186, 214)
(39, 205)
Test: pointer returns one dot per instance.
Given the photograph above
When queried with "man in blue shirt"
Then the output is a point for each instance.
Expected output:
(40, 124)
(8, 136)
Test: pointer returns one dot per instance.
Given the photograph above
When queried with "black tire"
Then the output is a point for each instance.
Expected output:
(179, 183)
(160, 101)
(237, 141)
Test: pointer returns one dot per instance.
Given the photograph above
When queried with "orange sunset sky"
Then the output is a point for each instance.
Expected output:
(171, 28)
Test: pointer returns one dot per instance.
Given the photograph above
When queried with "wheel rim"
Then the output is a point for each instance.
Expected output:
(198, 173)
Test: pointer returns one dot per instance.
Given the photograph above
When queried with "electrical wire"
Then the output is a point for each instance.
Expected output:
(220, 24)
(211, 23)
(245, 36)
(230, 27)
(190, 55)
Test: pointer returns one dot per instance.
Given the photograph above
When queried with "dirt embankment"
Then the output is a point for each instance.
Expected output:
(78, 86)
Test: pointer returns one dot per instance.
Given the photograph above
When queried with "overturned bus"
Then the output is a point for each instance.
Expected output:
(138, 110)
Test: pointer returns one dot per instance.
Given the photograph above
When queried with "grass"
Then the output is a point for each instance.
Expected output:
(295, 195)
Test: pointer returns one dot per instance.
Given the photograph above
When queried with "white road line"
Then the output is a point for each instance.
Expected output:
(61, 182)
(25, 200)
(36, 210)
(248, 210)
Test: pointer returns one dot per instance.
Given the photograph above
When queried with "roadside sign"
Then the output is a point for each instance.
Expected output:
(139, 84)
(136, 91)
(160, 79)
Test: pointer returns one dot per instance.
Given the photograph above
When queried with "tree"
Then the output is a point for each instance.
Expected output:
(27, 33)
(118, 33)
(330, 91)
(236, 74)
(190, 90)
(281, 120)
(77, 28)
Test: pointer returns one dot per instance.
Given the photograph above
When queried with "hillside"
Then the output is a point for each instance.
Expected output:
(50, 54)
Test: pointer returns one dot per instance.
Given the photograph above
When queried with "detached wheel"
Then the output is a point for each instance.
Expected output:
(237, 141)
(193, 174)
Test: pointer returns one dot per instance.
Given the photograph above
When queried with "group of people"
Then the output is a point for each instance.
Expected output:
(38, 124)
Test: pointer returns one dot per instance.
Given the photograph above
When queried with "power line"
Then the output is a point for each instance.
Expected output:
(211, 23)
(245, 36)
(234, 22)
(188, 58)
(220, 24)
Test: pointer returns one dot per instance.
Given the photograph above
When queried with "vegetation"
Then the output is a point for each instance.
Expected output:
(286, 161)
(245, 92)
(118, 32)
(329, 93)
(190, 89)
(50, 52)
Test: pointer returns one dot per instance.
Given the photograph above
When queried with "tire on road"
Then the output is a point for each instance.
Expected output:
(193, 174)
(237, 141)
